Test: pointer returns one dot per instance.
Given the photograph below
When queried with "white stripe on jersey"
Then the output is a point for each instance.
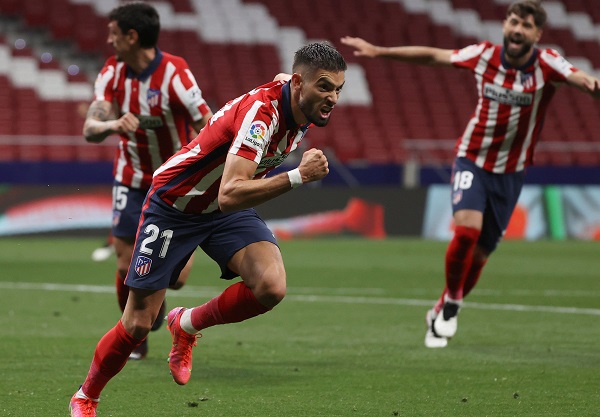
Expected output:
(138, 174)
(121, 162)
(101, 83)
(238, 141)
(558, 63)
(193, 91)
(200, 188)
(118, 69)
(468, 53)
(168, 115)
(175, 160)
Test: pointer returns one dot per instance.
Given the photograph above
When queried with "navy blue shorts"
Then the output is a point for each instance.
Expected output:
(167, 238)
(127, 207)
(495, 195)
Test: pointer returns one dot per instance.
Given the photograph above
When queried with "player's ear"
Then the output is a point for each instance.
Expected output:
(296, 81)
(133, 36)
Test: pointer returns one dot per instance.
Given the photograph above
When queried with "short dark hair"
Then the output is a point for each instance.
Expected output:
(318, 55)
(529, 7)
(141, 17)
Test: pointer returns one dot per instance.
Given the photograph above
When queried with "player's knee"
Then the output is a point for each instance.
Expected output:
(271, 292)
(138, 329)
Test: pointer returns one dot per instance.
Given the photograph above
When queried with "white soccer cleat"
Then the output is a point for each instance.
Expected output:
(103, 253)
(432, 340)
(446, 322)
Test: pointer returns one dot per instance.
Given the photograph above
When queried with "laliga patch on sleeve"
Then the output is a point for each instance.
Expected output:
(194, 94)
(256, 135)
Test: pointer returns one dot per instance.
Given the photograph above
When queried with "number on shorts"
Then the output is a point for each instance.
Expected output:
(153, 231)
(120, 197)
(463, 180)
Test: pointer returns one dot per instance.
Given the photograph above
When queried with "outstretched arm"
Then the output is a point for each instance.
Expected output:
(586, 83)
(239, 191)
(425, 55)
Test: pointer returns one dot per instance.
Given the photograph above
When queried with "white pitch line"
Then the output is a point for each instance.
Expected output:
(212, 291)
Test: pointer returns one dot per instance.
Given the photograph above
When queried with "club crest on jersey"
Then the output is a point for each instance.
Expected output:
(153, 97)
(527, 80)
(142, 265)
(256, 134)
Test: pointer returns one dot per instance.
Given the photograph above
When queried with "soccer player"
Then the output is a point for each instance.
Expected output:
(152, 101)
(203, 196)
(515, 82)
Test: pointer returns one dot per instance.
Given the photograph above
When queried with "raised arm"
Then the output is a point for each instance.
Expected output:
(99, 123)
(586, 83)
(239, 191)
(424, 55)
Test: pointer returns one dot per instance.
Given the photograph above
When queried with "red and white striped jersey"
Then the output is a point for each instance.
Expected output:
(501, 135)
(258, 126)
(166, 99)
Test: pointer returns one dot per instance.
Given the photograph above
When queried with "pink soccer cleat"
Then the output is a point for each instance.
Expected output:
(82, 406)
(180, 357)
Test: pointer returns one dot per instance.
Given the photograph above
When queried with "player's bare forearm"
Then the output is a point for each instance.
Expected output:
(239, 191)
(96, 126)
(95, 131)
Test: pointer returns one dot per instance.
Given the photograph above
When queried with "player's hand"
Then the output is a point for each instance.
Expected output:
(593, 86)
(282, 76)
(363, 48)
(314, 165)
(126, 123)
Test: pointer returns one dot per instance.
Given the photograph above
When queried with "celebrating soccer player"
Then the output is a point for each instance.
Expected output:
(203, 196)
(515, 82)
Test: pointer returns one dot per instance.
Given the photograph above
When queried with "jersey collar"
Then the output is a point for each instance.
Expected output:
(286, 107)
(523, 67)
(144, 75)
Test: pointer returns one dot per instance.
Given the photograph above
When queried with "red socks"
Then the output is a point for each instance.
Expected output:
(122, 291)
(110, 357)
(237, 303)
(473, 276)
(458, 259)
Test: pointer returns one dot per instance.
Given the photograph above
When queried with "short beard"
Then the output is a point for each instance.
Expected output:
(521, 52)
(315, 121)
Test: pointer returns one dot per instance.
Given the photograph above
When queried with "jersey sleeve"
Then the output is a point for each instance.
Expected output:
(103, 86)
(188, 92)
(253, 133)
(556, 66)
(468, 57)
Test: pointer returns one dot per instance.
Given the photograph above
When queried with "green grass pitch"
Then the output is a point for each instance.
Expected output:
(346, 341)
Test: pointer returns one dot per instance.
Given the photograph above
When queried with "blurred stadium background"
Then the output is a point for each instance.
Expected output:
(396, 124)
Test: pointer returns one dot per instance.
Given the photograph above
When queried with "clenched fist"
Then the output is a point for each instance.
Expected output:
(314, 165)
